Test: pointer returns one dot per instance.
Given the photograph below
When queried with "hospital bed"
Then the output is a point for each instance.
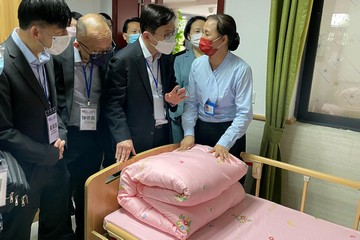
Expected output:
(101, 201)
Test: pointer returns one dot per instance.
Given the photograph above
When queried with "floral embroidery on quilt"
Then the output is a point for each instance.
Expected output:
(121, 185)
(219, 161)
(242, 219)
(272, 208)
(181, 197)
(184, 224)
(270, 236)
(290, 223)
(141, 166)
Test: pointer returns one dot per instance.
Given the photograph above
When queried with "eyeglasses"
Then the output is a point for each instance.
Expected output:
(98, 54)
(169, 35)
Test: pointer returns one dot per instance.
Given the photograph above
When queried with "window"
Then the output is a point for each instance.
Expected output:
(329, 92)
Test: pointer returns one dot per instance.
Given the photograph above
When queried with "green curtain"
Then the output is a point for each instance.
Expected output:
(289, 21)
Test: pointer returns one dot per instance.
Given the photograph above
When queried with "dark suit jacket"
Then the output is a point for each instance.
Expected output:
(64, 80)
(23, 125)
(129, 107)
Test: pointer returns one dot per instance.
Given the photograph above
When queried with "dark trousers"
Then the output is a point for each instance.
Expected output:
(49, 193)
(209, 134)
(161, 135)
(83, 156)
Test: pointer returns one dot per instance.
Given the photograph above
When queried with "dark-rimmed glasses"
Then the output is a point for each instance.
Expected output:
(98, 54)
(169, 35)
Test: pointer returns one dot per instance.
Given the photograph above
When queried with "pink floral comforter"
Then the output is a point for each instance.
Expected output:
(179, 192)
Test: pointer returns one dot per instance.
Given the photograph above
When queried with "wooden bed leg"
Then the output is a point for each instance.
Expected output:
(256, 173)
(357, 216)
(303, 198)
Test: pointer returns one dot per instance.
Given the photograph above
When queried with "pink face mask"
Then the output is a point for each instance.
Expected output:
(206, 46)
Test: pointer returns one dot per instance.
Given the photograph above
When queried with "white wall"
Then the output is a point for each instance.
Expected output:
(90, 6)
(252, 20)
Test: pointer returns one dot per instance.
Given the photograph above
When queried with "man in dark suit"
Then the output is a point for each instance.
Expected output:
(30, 127)
(142, 86)
(80, 73)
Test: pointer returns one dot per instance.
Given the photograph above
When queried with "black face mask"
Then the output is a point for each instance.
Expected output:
(100, 59)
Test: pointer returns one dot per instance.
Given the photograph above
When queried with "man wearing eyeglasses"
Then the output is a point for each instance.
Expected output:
(30, 128)
(80, 73)
(142, 86)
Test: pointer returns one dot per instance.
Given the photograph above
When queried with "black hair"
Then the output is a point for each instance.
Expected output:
(76, 15)
(189, 23)
(44, 12)
(106, 16)
(153, 16)
(129, 20)
(226, 26)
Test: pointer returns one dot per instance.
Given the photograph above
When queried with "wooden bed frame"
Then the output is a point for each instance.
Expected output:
(101, 188)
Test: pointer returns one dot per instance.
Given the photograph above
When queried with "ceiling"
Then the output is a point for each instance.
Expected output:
(193, 7)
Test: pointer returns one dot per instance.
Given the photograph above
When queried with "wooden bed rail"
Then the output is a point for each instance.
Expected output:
(257, 172)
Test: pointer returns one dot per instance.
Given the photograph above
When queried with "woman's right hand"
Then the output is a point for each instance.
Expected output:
(187, 143)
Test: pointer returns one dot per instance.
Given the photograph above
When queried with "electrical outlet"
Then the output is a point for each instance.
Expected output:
(253, 97)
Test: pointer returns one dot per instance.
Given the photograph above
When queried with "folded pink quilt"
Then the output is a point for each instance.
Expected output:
(179, 192)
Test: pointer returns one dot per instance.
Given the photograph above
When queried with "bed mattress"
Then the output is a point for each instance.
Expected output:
(252, 218)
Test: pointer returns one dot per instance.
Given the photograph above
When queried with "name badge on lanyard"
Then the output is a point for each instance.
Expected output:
(88, 114)
(88, 117)
(3, 182)
(209, 107)
(52, 124)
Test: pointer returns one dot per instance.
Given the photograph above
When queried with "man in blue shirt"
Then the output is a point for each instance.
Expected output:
(28, 119)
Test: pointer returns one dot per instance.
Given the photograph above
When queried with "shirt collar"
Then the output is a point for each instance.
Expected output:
(42, 58)
(77, 57)
(146, 52)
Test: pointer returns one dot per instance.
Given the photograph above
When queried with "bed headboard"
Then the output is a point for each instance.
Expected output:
(101, 192)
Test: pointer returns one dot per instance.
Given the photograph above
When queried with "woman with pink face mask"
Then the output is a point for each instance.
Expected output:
(182, 66)
(219, 108)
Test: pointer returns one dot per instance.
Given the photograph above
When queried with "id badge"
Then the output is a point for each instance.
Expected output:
(209, 107)
(3, 182)
(52, 124)
(159, 108)
(88, 117)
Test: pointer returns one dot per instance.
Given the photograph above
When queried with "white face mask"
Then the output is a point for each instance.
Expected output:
(59, 44)
(195, 39)
(165, 46)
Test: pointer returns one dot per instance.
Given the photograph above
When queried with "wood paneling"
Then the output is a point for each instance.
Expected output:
(8, 17)
(220, 6)
(122, 10)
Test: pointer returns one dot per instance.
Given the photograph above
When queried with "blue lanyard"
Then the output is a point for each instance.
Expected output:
(88, 83)
(156, 81)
